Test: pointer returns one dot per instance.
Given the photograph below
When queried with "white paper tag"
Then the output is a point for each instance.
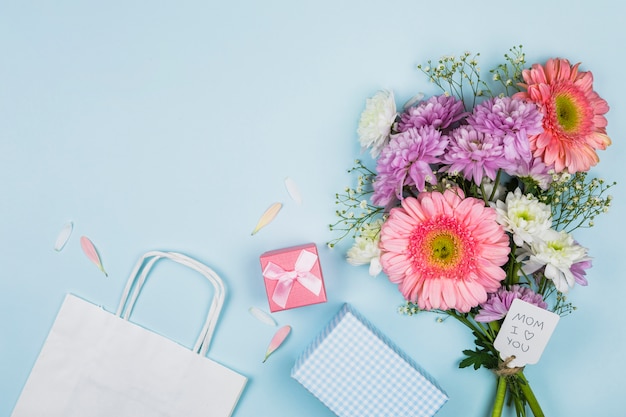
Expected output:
(525, 333)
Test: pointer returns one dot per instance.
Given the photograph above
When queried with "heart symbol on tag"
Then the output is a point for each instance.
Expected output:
(528, 334)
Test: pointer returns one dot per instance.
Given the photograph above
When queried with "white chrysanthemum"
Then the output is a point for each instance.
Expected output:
(376, 121)
(557, 251)
(365, 249)
(524, 216)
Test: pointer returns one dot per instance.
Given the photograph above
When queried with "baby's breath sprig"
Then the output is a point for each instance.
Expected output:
(550, 294)
(577, 200)
(409, 309)
(509, 73)
(455, 75)
(563, 307)
(355, 212)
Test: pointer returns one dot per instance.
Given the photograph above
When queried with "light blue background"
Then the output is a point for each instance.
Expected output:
(172, 125)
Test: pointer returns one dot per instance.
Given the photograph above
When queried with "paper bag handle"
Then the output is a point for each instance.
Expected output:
(137, 279)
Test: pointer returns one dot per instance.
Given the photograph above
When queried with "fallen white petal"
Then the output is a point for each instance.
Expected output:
(262, 316)
(64, 236)
(292, 189)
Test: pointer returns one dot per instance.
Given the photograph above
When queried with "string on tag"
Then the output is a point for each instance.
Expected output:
(504, 370)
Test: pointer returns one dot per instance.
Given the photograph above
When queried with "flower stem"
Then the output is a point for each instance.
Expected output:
(530, 396)
(498, 403)
(494, 190)
(476, 327)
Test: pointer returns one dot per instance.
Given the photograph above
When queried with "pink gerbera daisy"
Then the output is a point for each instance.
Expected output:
(574, 123)
(443, 250)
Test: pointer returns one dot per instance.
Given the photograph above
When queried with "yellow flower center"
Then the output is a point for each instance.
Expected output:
(556, 246)
(525, 215)
(567, 112)
(444, 249)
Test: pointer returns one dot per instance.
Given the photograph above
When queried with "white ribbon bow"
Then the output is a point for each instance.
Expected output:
(301, 273)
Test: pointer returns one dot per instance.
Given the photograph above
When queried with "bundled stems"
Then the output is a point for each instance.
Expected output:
(498, 403)
(530, 396)
(508, 383)
(509, 380)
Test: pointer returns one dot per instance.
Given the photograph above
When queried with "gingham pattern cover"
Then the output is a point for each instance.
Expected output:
(353, 369)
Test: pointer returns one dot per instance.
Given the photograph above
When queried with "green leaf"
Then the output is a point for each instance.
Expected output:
(477, 358)
(484, 355)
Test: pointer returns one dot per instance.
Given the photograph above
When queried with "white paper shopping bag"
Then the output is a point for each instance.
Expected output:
(96, 364)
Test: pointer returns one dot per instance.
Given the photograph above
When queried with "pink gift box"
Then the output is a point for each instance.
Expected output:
(293, 277)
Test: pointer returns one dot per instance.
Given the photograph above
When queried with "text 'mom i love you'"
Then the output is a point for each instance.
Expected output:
(525, 333)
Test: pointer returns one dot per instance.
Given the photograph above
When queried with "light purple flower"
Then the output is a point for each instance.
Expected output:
(438, 111)
(512, 121)
(473, 154)
(579, 271)
(499, 303)
(406, 161)
(535, 169)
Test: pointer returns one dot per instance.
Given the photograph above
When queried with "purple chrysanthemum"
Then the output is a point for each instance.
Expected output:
(535, 169)
(499, 302)
(406, 161)
(473, 154)
(438, 111)
(579, 271)
(512, 121)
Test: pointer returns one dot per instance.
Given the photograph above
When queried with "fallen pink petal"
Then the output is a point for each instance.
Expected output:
(278, 339)
(92, 253)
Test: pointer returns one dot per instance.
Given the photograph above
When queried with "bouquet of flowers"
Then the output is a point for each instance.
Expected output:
(475, 195)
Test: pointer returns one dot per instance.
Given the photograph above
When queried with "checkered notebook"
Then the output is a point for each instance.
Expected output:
(357, 372)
